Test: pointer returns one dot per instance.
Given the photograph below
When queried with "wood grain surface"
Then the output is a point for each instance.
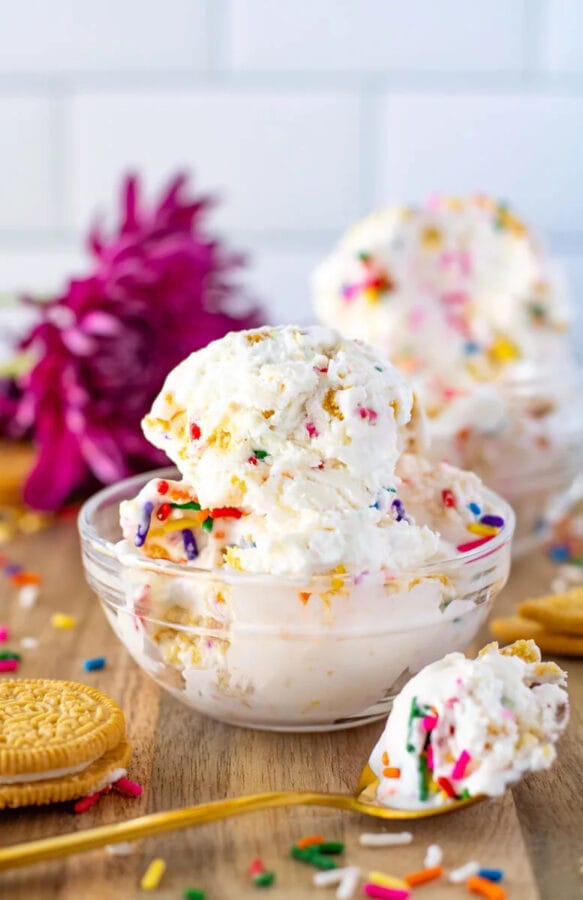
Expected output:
(535, 833)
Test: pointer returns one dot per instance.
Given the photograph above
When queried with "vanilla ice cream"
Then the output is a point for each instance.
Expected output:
(305, 514)
(460, 295)
(462, 727)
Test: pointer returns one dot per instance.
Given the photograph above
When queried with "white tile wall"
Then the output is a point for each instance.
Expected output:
(563, 36)
(379, 35)
(281, 279)
(48, 36)
(39, 269)
(527, 149)
(302, 113)
(25, 159)
(281, 161)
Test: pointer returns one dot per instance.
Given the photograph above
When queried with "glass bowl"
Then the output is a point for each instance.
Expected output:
(285, 654)
(525, 441)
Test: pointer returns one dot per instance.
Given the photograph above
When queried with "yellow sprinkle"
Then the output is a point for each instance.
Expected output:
(431, 237)
(337, 582)
(482, 530)
(62, 620)
(372, 295)
(179, 524)
(504, 350)
(387, 880)
(153, 875)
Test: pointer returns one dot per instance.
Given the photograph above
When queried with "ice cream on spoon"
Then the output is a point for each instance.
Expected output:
(463, 728)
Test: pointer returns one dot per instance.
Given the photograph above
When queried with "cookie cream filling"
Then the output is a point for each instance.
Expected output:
(27, 777)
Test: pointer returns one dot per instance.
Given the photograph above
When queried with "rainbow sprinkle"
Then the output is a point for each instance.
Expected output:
(144, 525)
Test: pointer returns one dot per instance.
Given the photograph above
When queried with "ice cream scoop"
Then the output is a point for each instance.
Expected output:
(460, 295)
(299, 455)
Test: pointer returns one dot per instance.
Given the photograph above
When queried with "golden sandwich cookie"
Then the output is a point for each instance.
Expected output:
(59, 740)
(516, 628)
(562, 613)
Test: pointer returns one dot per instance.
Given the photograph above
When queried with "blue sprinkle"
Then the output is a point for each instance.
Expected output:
(473, 507)
(559, 552)
(375, 505)
(12, 569)
(471, 347)
(189, 542)
(494, 875)
(93, 665)
(144, 526)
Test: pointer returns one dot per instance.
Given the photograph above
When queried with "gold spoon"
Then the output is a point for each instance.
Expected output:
(172, 820)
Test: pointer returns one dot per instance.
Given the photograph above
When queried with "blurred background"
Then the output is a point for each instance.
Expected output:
(300, 114)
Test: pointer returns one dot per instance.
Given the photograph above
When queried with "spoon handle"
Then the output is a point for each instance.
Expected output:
(156, 823)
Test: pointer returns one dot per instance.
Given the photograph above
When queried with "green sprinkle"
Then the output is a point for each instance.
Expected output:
(415, 713)
(193, 894)
(378, 368)
(312, 858)
(208, 525)
(332, 847)
(264, 879)
(423, 786)
(190, 505)
(260, 454)
(10, 654)
(465, 794)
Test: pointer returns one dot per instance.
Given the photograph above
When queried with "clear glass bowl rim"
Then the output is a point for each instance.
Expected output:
(130, 487)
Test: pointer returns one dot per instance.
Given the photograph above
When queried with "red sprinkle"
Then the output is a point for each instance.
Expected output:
(194, 431)
(226, 512)
(9, 665)
(448, 497)
(446, 786)
(252, 460)
(86, 803)
(127, 787)
(256, 867)
(368, 413)
(164, 511)
(163, 487)
(312, 430)
(471, 545)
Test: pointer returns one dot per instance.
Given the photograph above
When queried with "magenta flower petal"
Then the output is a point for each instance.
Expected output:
(159, 288)
(59, 471)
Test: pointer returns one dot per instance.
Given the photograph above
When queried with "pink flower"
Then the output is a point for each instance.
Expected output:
(159, 289)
